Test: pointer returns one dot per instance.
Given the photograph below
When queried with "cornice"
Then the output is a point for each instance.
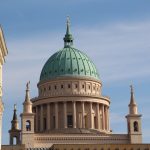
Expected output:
(103, 100)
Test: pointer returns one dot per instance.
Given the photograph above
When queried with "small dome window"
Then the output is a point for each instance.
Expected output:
(74, 58)
(81, 70)
(83, 86)
(69, 86)
(68, 58)
(49, 87)
(75, 70)
(69, 69)
(76, 86)
(62, 86)
(55, 87)
(62, 70)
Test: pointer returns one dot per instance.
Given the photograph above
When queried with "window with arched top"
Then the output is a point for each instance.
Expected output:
(28, 125)
(14, 140)
(136, 126)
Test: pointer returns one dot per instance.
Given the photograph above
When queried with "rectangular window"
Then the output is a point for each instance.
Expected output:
(53, 121)
(69, 86)
(76, 86)
(69, 121)
(44, 123)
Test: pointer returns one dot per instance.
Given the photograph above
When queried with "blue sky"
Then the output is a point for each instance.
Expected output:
(114, 33)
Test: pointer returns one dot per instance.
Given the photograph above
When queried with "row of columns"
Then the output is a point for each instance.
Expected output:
(102, 121)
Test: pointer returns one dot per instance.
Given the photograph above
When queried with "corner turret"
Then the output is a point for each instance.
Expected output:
(134, 121)
(14, 133)
(27, 120)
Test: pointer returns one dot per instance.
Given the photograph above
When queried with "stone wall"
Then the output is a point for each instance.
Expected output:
(13, 147)
(101, 147)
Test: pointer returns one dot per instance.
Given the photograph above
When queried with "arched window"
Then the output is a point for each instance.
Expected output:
(14, 140)
(28, 125)
(135, 125)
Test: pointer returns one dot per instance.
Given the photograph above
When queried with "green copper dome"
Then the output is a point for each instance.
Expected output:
(68, 62)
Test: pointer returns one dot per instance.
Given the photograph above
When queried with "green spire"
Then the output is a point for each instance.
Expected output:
(68, 39)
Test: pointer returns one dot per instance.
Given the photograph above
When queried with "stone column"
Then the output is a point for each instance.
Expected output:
(91, 116)
(103, 117)
(56, 115)
(98, 116)
(48, 116)
(41, 118)
(83, 121)
(106, 118)
(37, 125)
(65, 115)
(74, 114)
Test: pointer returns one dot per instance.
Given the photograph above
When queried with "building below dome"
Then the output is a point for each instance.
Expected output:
(70, 111)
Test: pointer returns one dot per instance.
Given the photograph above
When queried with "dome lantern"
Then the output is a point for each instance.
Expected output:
(68, 39)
